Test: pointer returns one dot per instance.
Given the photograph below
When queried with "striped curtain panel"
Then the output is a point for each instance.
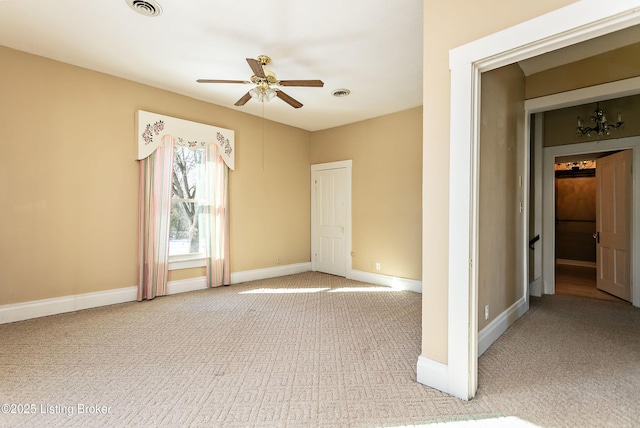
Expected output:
(217, 219)
(153, 218)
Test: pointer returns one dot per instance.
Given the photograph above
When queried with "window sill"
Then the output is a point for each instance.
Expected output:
(187, 263)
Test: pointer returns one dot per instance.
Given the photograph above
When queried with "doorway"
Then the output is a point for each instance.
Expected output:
(576, 216)
(594, 148)
(569, 25)
(331, 218)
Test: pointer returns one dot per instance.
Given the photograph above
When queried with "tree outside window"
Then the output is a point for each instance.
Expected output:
(186, 237)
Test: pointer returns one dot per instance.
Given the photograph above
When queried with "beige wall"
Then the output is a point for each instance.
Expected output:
(500, 267)
(560, 125)
(575, 218)
(270, 198)
(449, 24)
(386, 189)
(69, 180)
(619, 64)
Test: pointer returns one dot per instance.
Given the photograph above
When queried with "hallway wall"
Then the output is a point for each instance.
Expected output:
(500, 267)
(576, 218)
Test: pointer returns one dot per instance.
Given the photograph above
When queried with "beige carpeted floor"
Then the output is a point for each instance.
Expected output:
(311, 350)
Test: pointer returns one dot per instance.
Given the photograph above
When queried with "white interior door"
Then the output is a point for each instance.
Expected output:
(613, 215)
(331, 202)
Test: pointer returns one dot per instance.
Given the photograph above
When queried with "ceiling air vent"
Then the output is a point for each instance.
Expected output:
(341, 92)
(145, 7)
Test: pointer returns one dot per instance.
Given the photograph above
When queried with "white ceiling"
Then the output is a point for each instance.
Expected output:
(371, 47)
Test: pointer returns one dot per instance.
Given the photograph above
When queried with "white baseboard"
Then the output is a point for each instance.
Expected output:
(59, 305)
(494, 330)
(535, 287)
(271, 272)
(386, 280)
(433, 374)
(436, 375)
(186, 285)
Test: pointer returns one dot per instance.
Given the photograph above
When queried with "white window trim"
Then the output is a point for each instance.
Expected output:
(187, 261)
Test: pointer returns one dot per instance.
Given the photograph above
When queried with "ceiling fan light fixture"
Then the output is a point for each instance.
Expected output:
(262, 94)
(145, 7)
(342, 92)
(255, 93)
(269, 94)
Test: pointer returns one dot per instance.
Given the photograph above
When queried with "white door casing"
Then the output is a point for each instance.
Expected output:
(548, 222)
(535, 265)
(563, 27)
(613, 197)
(331, 218)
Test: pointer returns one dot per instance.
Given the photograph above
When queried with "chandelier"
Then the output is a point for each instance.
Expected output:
(601, 126)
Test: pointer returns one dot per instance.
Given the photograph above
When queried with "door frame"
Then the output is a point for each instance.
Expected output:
(548, 206)
(563, 27)
(348, 166)
(545, 168)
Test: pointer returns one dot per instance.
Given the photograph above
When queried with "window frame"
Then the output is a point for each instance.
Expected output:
(190, 260)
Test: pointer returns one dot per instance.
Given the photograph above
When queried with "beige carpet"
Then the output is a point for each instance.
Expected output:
(311, 350)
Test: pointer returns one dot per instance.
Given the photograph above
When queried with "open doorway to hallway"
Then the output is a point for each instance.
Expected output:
(546, 148)
(581, 214)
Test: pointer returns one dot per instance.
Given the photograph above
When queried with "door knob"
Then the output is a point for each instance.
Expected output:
(596, 236)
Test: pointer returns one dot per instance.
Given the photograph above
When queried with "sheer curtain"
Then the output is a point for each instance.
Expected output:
(153, 220)
(217, 218)
(155, 214)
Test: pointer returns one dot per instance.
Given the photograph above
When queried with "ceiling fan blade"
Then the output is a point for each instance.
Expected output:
(220, 81)
(310, 83)
(287, 99)
(242, 101)
(256, 66)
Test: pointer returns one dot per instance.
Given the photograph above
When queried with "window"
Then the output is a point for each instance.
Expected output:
(188, 200)
(183, 201)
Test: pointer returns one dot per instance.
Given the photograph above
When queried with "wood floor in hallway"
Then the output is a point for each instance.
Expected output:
(580, 281)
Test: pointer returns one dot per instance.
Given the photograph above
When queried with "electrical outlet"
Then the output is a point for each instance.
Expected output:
(377, 266)
(486, 312)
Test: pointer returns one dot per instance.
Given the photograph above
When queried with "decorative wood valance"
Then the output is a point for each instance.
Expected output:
(152, 127)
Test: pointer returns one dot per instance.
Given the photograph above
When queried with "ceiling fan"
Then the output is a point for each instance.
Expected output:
(264, 79)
